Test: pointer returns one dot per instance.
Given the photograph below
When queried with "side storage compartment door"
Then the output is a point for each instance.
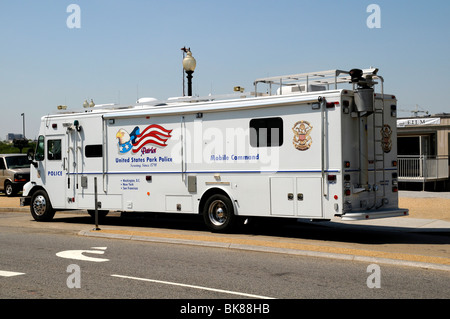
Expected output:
(282, 201)
(296, 196)
(308, 197)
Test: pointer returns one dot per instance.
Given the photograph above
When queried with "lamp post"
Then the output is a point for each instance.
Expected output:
(189, 64)
(23, 124)
(20, 143)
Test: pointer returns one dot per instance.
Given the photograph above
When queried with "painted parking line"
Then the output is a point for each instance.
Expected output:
(194, 287)
(4, 273)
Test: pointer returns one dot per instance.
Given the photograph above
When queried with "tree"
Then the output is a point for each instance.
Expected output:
(20, 143)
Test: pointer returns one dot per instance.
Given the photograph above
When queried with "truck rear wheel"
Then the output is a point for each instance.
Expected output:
(41, 208)
(218, 213)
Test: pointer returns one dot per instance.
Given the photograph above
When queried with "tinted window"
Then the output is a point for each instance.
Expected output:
(54, 150)
(93, 150)
(266, 132)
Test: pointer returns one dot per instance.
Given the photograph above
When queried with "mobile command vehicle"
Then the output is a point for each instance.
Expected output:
(311, 149)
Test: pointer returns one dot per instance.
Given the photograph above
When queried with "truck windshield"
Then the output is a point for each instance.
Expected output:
(17, 162)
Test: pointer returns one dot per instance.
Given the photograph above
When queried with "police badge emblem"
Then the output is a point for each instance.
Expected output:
(302, 140)
(386, 142)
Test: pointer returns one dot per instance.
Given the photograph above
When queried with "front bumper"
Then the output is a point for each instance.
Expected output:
(25, 201)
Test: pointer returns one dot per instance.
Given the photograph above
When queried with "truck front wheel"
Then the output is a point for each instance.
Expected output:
(41, 208)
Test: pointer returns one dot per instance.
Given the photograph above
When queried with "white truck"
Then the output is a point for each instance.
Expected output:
(322, 145)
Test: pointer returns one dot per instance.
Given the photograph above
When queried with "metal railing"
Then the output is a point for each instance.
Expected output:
(422, 168)
(329, 79)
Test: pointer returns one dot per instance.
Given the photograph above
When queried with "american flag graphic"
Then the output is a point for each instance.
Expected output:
(153, 134)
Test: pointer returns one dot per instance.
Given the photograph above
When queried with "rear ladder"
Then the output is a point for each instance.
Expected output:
(378, 152)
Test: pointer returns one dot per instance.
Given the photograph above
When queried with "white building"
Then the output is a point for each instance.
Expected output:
(423, 151)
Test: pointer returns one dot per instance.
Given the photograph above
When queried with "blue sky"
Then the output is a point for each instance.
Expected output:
(126, 49)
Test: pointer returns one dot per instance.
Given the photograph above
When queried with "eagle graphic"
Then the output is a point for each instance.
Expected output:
(153, 134)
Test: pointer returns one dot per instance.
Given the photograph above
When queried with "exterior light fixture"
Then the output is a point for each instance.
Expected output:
(189, 65)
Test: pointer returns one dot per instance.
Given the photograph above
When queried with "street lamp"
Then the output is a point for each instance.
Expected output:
(23, 124)
(189, 64)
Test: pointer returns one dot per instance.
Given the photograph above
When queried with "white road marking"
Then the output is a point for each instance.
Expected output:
(10, 273)
(78, 254)
(195, 287)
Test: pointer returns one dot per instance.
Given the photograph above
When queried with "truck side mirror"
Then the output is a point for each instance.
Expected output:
(30, 156)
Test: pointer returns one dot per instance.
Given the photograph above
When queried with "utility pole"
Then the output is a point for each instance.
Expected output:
(23, 124)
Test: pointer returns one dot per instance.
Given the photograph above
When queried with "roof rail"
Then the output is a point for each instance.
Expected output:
(330, 78)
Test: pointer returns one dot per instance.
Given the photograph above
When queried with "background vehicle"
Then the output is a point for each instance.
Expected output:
(14, 173)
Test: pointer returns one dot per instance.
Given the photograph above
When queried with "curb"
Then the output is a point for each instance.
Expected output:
(425, 262)
(270, 247)
(14, 209)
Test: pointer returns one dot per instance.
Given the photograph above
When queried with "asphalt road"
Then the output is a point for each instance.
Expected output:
(39, 255)
(423, 245)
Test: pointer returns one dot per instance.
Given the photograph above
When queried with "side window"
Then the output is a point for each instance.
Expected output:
(54, 150)
(95, 150)
(266, 132)
(2, 163)
(40, 149)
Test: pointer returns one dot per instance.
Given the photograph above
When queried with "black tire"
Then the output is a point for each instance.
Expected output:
(10, 189)
(218, 213)
(40, 207)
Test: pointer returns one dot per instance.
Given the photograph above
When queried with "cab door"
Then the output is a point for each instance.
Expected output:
(48, 170)
(54, 173)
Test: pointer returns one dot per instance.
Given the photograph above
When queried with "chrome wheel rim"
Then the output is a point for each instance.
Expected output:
(39, 205)
(218, 214)
(8, 189)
